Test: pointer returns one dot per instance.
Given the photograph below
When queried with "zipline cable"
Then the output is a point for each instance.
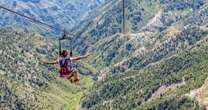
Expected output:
(124, 18)
(65, 33)
(30, 18)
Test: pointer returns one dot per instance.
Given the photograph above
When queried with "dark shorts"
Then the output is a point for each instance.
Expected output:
(66, 74)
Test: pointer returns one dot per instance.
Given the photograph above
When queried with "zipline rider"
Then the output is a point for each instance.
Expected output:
(66, 69)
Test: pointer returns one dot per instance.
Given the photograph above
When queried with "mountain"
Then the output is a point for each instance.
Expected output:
(25, 82)
(161, 58)
(155, 17)
(159, 63)
(57, 13)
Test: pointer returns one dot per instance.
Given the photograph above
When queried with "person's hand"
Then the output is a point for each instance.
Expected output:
(87, 55)
(45, 62)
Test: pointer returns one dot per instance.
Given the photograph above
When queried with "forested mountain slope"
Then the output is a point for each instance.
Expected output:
(149, 24)
(164, 58)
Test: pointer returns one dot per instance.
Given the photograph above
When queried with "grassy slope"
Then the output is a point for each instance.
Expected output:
(69, 94)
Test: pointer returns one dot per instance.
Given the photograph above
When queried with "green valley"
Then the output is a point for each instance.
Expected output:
(160, 63)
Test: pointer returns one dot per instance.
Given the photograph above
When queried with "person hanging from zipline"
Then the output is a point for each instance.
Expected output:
(66, 69)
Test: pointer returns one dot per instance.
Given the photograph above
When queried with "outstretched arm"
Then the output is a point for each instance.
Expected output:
(51, 62)
(80, 57)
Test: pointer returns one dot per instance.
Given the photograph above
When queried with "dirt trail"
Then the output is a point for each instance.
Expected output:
(165, 88)
(201, 94)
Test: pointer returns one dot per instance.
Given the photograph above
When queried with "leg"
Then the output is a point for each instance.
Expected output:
(74, 77)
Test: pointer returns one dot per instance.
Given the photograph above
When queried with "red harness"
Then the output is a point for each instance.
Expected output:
(65, 68)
